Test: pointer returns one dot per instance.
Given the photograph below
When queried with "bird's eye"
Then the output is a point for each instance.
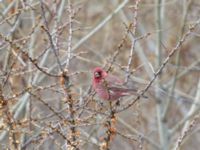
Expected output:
(97, 74)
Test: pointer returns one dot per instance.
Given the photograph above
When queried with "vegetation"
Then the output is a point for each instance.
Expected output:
(48, 50)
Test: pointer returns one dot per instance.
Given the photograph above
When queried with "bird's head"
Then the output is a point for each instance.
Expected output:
(99, 74)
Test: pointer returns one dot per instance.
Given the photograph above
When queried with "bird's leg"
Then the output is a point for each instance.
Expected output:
(110, 104)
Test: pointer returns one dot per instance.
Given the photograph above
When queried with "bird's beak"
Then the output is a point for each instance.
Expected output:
(97, 75)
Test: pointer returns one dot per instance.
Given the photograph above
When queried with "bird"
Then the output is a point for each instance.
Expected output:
(110, 87)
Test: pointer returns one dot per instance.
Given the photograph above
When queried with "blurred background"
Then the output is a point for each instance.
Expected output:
(48, 50)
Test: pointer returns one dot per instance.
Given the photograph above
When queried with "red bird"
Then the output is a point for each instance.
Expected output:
(110, 87)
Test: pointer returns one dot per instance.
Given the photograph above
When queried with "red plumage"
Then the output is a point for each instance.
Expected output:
(110, 87)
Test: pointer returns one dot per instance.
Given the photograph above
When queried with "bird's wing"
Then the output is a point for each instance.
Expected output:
(114, 84)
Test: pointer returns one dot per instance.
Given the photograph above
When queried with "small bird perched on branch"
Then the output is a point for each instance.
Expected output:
(110, 87)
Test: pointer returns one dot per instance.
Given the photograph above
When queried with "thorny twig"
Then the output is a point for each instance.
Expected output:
(159, 71)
